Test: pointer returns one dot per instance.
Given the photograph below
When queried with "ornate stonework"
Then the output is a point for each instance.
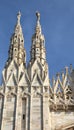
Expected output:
(28, 100)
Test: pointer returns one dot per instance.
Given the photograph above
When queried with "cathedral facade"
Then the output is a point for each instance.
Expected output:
(28, 100)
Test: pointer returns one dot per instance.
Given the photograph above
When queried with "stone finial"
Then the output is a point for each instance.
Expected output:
(62, 74)
(53, 81)
(18, 17)
(71, 68)
(66, 69)
(58, 75)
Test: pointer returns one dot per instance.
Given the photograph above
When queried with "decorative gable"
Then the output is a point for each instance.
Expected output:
(11, 68)
(58, 86)
(24, 80)
(36, 67)
(12, 81)
(37, 80)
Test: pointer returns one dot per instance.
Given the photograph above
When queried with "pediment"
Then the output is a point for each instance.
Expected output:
(37, 65)
(58, 88)
(37, 80)
(11, 81)
(67, 79)
(12, 65)
(24, 81)
(12, 68)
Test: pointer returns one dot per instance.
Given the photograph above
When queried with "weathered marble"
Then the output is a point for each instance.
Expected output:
(28, 100)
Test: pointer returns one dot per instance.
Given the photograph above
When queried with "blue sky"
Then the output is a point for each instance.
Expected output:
(57, 21)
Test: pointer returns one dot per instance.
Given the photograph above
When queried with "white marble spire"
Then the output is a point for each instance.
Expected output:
(16, 50)
(38, 41)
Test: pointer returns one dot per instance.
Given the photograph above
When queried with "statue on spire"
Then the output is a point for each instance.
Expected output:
(18, 28)
(38, 16)
(18, 17)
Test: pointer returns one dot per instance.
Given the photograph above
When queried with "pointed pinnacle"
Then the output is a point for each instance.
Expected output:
(58, 74)
(66, 69)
